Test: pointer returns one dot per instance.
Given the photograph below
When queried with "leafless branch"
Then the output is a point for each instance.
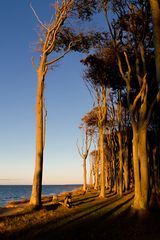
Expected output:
(79, 150)
(33, 64)
(38, 19)
(58, 58)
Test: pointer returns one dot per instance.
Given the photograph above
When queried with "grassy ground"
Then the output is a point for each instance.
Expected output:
(88, 218)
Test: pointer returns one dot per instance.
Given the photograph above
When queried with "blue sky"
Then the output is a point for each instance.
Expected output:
(67, 100)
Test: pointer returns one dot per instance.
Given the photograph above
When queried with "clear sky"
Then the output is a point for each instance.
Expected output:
(67, 100)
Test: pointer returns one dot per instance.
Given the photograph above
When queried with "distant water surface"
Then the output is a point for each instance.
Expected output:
(16, 192)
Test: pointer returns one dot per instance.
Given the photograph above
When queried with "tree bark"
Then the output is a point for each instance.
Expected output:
(120, 163)
(143, 156)
(37, 181)
(126, 171)
(102, 161)
(47, 43)
(35, 199)
(84, 174)
(137, 185)
(96, 172)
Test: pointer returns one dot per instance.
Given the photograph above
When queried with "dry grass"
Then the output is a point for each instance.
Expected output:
(88, 218)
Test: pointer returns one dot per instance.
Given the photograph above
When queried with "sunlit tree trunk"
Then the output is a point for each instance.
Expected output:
(102, 161)
(84, 151)
(84, 174)
(91, 174)
(120, 164)
(120, 141)
(141, 169)
(143, 156)
(47, 42)
(107, 168)
(102, 113)
(126, 170)
(96, 171)
(136, 166)
(114, 165)
(37, 180)
(140, 121)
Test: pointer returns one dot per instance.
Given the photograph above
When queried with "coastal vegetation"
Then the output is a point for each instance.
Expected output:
(121, 74)
(121, 133)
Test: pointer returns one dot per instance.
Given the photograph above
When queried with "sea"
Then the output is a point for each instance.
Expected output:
(10, 193)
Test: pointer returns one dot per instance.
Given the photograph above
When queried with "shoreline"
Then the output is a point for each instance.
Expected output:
(89, 217)
(26, 193)
(15, 207)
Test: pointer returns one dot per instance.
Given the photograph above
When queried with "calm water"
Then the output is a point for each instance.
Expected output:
(17, 192)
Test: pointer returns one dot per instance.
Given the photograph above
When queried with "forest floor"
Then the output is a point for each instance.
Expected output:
(88, 218)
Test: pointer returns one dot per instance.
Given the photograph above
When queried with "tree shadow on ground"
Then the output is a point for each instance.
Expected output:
(130, 225)
(110, 219)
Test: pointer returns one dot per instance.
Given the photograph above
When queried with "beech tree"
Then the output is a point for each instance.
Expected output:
(94, 168)
(96, 80)
(47, 43)
(84, 150)
(130, 30)
(135, 45)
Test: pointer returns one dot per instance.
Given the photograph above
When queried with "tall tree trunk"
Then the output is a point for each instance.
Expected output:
(106, 173)
(126, 171)
(37, 180)
(143, 156)
(137, 185)
(155, 10)
(140, 162)
(84, 174)
(102, 161)
(35, 199)
(114, 169)
(91, 174)
(96, 172)
(120, 142)
(47, 43)
(120, 163)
